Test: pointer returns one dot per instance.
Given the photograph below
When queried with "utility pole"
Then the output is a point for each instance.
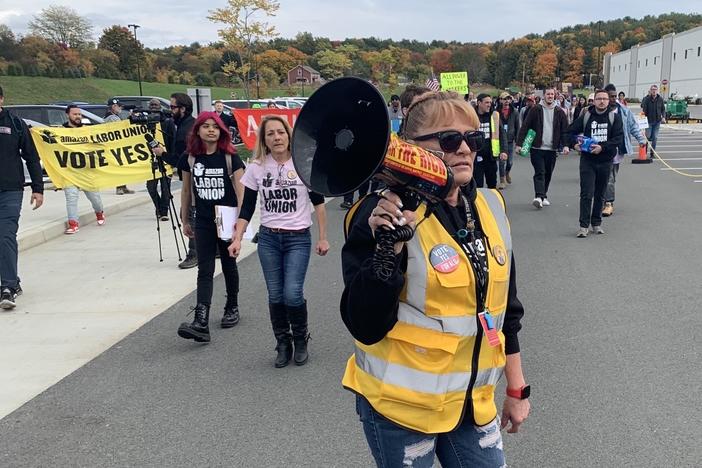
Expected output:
(136, 26)
(523, 76)
(599, 43)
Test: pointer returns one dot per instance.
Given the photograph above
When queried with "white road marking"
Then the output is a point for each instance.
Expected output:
(682, 159)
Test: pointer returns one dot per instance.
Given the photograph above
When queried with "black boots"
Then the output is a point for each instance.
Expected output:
(298, 323)
(231, 316)
(281, 330)
(198, 330)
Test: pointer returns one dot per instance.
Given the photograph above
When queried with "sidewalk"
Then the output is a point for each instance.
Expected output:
(49, 221)
(85, 292)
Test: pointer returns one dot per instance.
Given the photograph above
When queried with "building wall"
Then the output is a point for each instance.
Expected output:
(686, 71)
(637, 69)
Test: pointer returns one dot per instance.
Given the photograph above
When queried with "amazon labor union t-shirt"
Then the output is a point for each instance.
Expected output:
(211, 183)
(283, 199)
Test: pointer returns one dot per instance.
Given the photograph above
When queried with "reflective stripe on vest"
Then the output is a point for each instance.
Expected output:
(495, 134)
(418, 375)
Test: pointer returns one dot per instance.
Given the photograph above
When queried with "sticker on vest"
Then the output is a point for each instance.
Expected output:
(6, 130)
(500, 255)
(488, 323)
(444, 258)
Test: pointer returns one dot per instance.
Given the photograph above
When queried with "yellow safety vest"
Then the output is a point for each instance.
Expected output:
(419, 374)
(495, 134)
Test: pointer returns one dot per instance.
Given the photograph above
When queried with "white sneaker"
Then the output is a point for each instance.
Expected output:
(538, 203)
(545, 202)
(597, 229)
(582, 232)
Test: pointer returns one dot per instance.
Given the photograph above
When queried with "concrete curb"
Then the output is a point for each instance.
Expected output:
(54, 228)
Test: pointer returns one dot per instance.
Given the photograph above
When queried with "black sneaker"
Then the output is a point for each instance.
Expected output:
(189, 262)
(230, 317)
(346, 205)
(7, 299)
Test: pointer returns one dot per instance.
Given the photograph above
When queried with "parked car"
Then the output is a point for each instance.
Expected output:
(142, 102)
(51, 115)
(45, 176)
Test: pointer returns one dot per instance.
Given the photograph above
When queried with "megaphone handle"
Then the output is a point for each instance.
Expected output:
(384, 255)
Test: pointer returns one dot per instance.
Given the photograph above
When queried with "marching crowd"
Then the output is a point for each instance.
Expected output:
(433, 338)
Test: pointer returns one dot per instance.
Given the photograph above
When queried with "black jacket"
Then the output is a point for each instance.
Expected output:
(512, 123)
(654, 109)
(228, 120)
(614, 132)
(16, 144)
(176, 135)
(534, 120)
(369, 306)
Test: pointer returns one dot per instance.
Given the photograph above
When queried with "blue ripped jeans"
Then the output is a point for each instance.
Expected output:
(468, 445)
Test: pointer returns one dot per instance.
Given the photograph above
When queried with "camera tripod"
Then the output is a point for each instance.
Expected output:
(157, 165)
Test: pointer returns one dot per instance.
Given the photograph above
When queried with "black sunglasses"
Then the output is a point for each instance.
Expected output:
(451, 140)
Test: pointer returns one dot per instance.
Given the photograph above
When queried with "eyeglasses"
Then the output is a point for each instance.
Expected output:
(451, 140)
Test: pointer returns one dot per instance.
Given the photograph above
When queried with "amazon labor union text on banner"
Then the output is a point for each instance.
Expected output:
(455, 81)
(95, 157)
(248, 121)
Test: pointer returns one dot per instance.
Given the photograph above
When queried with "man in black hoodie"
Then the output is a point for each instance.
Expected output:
(15, 144)
(183, 120)
(604, 125)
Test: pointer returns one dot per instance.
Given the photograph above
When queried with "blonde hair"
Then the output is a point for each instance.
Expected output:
(436, 108)
(261, 149)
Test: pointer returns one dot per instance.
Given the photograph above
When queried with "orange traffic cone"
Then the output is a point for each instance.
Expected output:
(643, 156)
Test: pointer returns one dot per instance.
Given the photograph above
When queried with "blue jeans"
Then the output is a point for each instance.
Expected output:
(468, 445)
(506, 166)
(72, 201)
(284, 258)
(10, 206)
(652, 133)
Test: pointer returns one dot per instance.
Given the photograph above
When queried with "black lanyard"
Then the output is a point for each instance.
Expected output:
(473, 243)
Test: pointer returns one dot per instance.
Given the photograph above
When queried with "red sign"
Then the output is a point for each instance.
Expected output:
(248, 121)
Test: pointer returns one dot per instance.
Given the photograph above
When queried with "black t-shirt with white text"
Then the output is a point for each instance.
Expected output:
(211, 182)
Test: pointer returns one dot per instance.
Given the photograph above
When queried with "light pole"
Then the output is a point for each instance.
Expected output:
(136, 26)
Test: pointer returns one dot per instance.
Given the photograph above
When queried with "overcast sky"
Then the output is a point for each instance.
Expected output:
(174, 22)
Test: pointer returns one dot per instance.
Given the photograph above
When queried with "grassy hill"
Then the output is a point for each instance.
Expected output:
(40, 90)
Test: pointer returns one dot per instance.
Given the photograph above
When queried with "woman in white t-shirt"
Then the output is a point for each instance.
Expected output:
(284, 240)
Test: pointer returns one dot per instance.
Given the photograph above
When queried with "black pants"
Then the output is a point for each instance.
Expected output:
(161, 201)
(593, 182)
(207, 245)
(543, 162)
(192, 245)
(485, 170)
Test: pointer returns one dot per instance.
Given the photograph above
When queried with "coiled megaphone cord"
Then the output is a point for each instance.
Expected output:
(384, 256)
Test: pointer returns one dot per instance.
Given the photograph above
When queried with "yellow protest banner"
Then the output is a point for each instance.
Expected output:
(455, 81)
(95, 157)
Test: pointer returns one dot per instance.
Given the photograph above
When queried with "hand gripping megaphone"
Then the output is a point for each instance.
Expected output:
(342, 139)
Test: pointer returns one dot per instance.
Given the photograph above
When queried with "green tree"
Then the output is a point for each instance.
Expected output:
(332, 64)
(120, 41)
(62, 25)
(242, 29)
(106, 63)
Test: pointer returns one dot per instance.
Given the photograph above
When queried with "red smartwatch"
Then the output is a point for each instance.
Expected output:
(519, 393)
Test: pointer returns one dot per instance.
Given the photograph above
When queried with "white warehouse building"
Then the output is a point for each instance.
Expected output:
(674, 63)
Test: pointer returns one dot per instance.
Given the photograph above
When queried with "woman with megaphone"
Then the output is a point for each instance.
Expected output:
(433, 337)
(284, 239)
